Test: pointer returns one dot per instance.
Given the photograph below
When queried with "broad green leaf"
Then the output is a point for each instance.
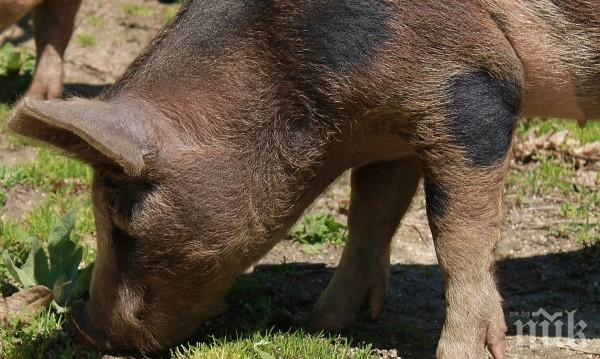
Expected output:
(41, 269)
(29, 266)
(62, 251)
(64, 261)
(61, 231)
(80, 285)
(59, 289)
(18, 274)
(36, 265)
(71, 263)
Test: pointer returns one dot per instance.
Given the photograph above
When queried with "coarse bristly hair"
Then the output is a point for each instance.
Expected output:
(240, 113)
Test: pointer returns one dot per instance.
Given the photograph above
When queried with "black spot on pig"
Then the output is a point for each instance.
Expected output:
(435, 198)
(207, 28)
(345, 33)
(484, 112)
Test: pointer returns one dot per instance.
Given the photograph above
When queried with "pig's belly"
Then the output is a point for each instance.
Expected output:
(552, 100)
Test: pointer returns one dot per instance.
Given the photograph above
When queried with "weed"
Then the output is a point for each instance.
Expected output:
(59, 269)
(138, 10)
(16, 71)
(320, 228)
(87, 40)
(96, 21)
(15, 61)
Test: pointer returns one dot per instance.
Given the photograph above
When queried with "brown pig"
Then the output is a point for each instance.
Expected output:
(53, 22)
(240, 113)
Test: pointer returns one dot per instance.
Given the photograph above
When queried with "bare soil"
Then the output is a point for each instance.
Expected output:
(536, 269)
(12, 155)
(20, 200)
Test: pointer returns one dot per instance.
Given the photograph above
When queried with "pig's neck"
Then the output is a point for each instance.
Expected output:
(286, 173)
(287, 176)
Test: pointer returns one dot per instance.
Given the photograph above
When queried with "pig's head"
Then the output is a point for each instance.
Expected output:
(169, 217)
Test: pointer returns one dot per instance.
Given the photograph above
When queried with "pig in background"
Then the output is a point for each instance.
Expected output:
(53, 22)
(240, 113)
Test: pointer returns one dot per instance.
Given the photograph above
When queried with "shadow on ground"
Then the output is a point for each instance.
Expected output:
(14, 86)
(26, 32)
(84, 90)
(276, 295)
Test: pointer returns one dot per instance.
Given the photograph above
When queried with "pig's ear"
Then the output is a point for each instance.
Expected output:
(96, 132)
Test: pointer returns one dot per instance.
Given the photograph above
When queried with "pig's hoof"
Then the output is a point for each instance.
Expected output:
(44, 92)
(496, 338)
(492, 336)
(345, 296)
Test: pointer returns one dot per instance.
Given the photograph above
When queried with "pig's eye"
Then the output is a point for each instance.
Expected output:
(123, 196)
(122, 203)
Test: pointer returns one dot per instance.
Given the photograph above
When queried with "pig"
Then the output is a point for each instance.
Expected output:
(53, 22)
(240, 113)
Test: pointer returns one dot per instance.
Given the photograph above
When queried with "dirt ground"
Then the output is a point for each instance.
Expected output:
(536, 269)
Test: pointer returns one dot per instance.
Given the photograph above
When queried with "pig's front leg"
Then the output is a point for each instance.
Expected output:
(465, 219)
(53, 23)
(381, 194)
(464, 172)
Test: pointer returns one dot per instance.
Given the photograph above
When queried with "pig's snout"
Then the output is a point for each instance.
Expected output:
(88, 330)
(109, 335)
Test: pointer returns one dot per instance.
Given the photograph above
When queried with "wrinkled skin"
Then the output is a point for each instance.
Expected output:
(239, 114)
(53, 22)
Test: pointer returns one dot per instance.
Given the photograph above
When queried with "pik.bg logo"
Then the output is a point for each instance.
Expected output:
(545, 329)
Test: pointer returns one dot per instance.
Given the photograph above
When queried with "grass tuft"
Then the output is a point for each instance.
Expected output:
(319, 229)
(87, 40)
(275, 345)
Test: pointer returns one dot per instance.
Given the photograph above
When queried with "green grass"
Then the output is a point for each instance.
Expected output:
(13, 60)
(87, 40)
(170, 12)
(319, 229)
(589, 134)
(49, 171)
(551, 177)
(138, 10)
(275, 345)
(43, 337)
(16, 71)
(96, 21)
(579, 207)
(4, 111)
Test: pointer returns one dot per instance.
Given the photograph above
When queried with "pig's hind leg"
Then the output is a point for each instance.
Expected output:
(53, 23)
(381, 194)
